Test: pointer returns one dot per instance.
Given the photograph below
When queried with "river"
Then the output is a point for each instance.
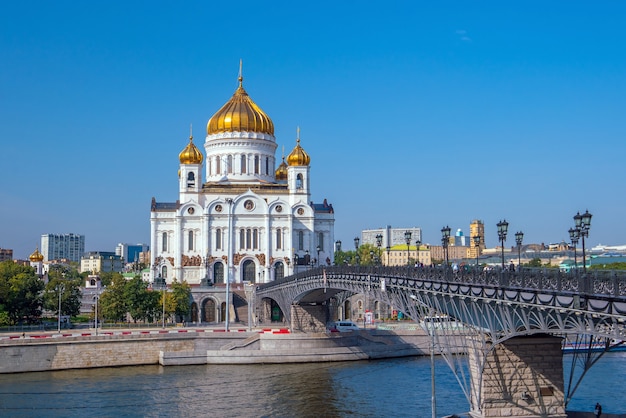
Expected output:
(382, 388)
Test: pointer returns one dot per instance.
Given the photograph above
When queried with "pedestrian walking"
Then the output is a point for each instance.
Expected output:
(598, 410)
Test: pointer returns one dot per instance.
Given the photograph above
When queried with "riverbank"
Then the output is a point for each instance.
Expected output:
(185, 346)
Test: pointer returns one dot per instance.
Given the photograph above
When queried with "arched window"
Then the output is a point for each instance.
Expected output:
(229, 161)
(279, 239)
(248, 238)
(267, 165)
(243, 164)
(320, 241)
(299, 181)
(164, 242)
(218, 273)
(249, 271)
(218, 165)
(190, 240)
(191, 180)
(279, 271)
(218, 239)
(242, 239)
(255, 239)
(300, 240)
(164, 272)
(256, 164)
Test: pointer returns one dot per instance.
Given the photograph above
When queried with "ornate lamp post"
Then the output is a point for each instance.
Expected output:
(417, 251)
(583, 223)
(318, 255)
(407, 238)
(356, 247)
(445, 237)
(503, 227)
(574, 235)
(476, 239)
(379, 242)
(519, 237)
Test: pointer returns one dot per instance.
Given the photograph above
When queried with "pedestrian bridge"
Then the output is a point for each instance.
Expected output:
(481, 322)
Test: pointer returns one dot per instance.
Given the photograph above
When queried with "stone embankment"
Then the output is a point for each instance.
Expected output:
(52, 351)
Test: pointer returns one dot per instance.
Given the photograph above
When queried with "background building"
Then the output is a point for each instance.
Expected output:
(6, 254)
(101, 261)
(131, 253)
(59, 246)
(477, 228)
(391, 236)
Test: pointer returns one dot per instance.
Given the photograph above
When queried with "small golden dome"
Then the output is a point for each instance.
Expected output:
(240, 114)
(191, 154)
(298, 156)
(36, 256)
(281, 171)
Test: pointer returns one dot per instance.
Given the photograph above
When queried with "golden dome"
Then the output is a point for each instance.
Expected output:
(191, 154)
(281, 171)
(36, 256)
(298, 156)
(240, 114)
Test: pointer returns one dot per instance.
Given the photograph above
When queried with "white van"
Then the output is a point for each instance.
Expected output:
(343, 326)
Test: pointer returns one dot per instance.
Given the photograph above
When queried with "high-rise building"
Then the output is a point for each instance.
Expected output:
(58, 246)
(6, 254)
(245, 219)
(477, 229)
(130, 253)
(391, 236)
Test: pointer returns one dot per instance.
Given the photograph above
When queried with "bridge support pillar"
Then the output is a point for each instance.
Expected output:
(309, 318)
(521, 377)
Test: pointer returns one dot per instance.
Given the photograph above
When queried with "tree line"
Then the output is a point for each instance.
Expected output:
(26, 299)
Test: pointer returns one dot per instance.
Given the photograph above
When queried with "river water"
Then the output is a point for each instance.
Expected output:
(381, 388)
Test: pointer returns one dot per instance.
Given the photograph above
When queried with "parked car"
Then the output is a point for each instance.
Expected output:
(343, 326)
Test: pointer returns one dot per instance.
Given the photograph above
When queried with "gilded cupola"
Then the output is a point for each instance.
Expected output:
(298, 157)
(191, 154)
(281, 171)
(240, 114)
(36, 257)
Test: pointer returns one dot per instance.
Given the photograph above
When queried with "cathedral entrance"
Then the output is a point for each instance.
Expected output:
(249, 270)
(209, 311)
(218, 273)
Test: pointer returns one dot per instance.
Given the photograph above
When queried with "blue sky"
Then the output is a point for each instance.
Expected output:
(414, 113)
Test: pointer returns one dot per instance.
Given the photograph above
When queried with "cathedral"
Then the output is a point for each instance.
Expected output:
(239, 217)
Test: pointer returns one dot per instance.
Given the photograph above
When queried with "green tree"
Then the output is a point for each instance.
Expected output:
(535, 262)
(181, 296)
(70, 297)
(113, 304)
(20, 292)
(139, 302)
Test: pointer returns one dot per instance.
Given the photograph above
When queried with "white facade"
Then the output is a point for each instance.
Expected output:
(246, 220)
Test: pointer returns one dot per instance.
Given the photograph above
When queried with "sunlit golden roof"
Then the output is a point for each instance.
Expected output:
(191, 154)
(281, 171)
(36, 256)
(298, 156)
(240, 114)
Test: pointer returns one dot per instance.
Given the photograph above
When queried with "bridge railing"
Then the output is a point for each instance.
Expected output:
(599, 283)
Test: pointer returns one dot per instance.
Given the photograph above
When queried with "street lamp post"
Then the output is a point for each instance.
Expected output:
(476, 239)
(503, 227)
(59, 290)
(417, 252)
(356, 249)
(445, 237)
(379, 242)
(519, 237)
(318, 255)
(407, 238)
(574, 234)
(583, 223)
